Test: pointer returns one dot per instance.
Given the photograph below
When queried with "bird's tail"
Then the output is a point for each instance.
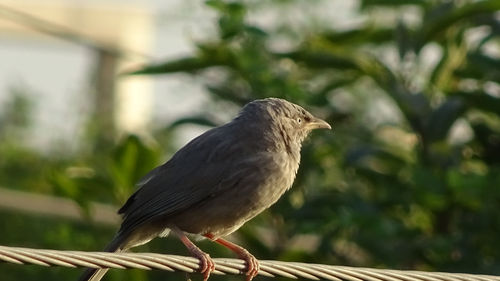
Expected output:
(94, 274)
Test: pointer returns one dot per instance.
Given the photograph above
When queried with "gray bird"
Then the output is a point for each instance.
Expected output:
(218, 181)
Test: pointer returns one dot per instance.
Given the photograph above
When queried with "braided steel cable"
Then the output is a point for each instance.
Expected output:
(268, 268)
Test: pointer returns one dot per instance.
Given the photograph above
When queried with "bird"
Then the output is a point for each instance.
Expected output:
(217, 182)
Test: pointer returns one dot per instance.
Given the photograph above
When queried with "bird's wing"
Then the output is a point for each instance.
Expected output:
(193, 174)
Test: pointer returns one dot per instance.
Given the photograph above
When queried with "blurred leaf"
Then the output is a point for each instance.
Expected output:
(431, 189)
(131, 160)
(379, 160)
(320, 59)
(480, 100)
(467, 189)
(434, 26)
(390, 3)
(229, 94)
(403, 39)
(414, 106)
(15, 117)
(454, 56)
(442, 118)
(359, 36)
(489, 138)
(476, 65)
(197, 120)
(231, 21)
(179, 65)
(332, 84)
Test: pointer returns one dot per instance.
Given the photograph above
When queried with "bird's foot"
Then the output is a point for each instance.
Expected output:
(252, 264)
(207, 265)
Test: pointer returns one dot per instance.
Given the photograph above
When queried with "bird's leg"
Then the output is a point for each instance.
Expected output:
(206, 263)
(252, 262)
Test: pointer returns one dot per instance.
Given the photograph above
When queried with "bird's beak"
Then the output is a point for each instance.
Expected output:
(317, 123)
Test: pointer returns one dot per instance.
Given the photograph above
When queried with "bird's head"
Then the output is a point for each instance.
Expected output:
(282, 120)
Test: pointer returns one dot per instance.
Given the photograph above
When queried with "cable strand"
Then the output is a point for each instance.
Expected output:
(269, 268)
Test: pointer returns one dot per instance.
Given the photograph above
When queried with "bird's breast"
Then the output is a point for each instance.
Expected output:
(276, 176)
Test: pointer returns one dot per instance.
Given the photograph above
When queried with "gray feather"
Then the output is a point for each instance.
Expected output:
(193, 174)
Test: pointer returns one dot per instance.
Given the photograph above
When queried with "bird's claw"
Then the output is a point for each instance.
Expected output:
(252, 265)
(207, 265)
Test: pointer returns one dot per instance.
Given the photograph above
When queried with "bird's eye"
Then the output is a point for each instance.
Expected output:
(299, 120)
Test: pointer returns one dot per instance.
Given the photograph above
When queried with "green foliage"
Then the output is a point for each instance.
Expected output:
(396, 184)
(403, 194)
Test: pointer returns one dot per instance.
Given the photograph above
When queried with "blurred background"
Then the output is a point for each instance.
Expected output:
(93, 94)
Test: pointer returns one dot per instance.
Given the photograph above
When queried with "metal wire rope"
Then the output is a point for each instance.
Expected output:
(268, 268)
